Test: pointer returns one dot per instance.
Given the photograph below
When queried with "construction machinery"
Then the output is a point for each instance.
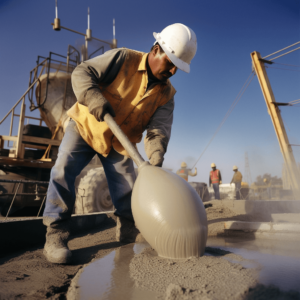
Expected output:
(274, 112)
(27, 157)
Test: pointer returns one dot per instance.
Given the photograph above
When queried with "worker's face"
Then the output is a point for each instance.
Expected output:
(161, 66)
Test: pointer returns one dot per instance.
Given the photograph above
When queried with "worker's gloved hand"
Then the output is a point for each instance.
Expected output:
(100, 111)
(97, 104)
(220, 181)
(151, 135)
(157, 159)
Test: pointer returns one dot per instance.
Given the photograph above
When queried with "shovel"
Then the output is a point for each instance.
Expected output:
(166, 209)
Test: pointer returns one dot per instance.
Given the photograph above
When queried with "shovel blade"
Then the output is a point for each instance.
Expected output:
(169, 213)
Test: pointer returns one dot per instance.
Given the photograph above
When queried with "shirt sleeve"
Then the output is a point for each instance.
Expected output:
(159, 129)
(220, 177)
(87, 76)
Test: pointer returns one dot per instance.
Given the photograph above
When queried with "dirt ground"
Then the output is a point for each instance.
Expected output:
(27, 274)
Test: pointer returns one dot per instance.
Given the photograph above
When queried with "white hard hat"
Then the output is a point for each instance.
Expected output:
(179, 43)
(213, 165)
(183, 165)
(235, 168)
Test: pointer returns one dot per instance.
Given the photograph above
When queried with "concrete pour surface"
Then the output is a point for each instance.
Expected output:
(230, 269)
(26, 274)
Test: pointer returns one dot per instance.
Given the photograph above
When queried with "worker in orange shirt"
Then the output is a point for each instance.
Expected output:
(184, 172)
(215, 180)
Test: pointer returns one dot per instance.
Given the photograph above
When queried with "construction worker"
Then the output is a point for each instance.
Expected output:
(184, 172)
(215, 179)
(267, 182)
(237, 180)
(134, 88)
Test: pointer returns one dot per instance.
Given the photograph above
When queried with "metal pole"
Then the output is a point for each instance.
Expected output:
(41, 207)
(19, 100)
(11, 125)
(12, 201)
(123, 139)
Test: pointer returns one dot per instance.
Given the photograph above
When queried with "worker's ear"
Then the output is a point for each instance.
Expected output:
(155, 50)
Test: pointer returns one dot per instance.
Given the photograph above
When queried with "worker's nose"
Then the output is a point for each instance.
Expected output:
(173, 70)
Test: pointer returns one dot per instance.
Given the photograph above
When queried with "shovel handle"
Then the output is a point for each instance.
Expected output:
(123, 139)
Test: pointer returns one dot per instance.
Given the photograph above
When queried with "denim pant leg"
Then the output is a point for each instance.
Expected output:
(216, 190)
(238, 190)
(120, 174)
(73, 155)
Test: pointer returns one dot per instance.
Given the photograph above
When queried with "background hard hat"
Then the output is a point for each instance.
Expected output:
(183, 165)
(234, 168)
(179, 43)
(213, 165)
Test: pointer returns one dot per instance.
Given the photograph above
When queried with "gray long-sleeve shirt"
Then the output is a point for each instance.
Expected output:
(104, 68)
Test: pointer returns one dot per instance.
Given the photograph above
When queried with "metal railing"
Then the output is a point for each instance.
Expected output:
(44, 67)
(15, 194)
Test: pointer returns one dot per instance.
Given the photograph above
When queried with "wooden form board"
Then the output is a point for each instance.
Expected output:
(31, 163)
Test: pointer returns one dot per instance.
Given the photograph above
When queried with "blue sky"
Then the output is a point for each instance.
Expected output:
(227, 32)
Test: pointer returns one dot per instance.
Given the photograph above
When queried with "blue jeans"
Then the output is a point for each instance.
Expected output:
(216, 190)
(74, 154)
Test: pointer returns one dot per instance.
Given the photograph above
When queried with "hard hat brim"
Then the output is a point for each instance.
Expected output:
(183, 66)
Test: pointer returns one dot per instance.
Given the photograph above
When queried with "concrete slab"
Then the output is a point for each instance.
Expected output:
(266, 210)
(285, 231)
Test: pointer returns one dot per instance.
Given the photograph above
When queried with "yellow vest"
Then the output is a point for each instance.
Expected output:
(132, 104)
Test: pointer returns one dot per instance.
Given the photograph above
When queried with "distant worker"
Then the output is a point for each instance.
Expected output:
(267, 182)
(184, 172)
(215, 180)
(237, 180)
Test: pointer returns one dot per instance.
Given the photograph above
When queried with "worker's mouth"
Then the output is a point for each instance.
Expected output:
(167, 75)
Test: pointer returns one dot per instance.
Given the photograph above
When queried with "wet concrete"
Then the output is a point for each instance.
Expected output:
(273, 263)
(108, 278)
(278, 261)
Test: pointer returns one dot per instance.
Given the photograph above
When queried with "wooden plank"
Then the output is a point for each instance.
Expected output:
(25, 163)
(34, 146)
(8, 138)
(38, 140)
(32, 139)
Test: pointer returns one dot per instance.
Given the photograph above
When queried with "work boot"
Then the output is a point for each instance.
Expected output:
(126, 231)
(56, 248)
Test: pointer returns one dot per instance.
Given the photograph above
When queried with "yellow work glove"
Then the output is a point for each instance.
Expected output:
(157, 159)
(220, 181)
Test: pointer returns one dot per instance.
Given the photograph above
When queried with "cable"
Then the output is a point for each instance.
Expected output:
(234, 103)
(277, 63)
(282, 49)
(284, 54)
(282, 69)
(295, 101)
